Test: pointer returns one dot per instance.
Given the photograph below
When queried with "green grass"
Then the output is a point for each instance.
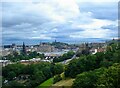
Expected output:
(46, 84)
(49, 83)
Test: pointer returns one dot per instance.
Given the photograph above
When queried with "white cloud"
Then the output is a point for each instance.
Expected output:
(41, 37)
(91, 33)
(60, 1)
(95, 30)
(97, 23)
(49, 19)
(34, 31)
(54, 30)
(97, 1)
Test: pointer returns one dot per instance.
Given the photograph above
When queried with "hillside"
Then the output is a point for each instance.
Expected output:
(66, 83)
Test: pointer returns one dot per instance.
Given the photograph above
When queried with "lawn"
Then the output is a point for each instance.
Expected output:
(46, 84)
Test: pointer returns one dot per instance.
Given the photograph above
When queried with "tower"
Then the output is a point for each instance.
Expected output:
(55, 41)
(24, 48)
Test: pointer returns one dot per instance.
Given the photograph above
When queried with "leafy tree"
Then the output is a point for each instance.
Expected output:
(88, 79)
(85, 52)
(76, 66)
(52, 68)
(11, 75)
(39, 76)
(29, 69)
(16, 68)
(111, 77)
(100, 56)
(90, 62)
(71, 69)
(13, 84)
(106, 63)
(57, 69)
(116, 56)
(37, 73)
(42, 56)
(47, 72)
(57, 78)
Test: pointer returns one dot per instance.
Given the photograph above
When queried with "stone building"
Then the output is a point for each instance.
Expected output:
(45, 47)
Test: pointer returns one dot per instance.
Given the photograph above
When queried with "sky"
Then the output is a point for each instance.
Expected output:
(71, 21)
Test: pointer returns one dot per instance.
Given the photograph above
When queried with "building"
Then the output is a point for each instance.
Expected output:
(4, 62)
(14, 46)
(94, 50)
(45, 47)
(6, 51)
(101, 50)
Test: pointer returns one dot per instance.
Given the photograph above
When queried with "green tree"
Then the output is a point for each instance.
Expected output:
(11, 75)
(71, 69)
(39, 76)
(58, 68)
(77, 66)
(47, 72)
(111, 77)
(100, 56)
(57, 78)
(88, 79)
(116, 56)
(16, 68)
(13, 84)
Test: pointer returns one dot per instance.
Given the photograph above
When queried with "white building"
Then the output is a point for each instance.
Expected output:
(5, 62)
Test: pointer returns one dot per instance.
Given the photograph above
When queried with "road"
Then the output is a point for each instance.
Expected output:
(68, 60)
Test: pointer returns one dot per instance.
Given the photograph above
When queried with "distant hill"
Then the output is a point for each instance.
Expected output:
(113, 41)
(59, 45)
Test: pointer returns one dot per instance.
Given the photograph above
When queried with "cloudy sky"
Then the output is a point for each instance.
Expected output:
(70, 21)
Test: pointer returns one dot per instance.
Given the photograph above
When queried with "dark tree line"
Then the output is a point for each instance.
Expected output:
(33, 74)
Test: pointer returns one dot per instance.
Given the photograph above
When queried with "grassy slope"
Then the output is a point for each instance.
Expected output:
(67, 82)
(46, 84)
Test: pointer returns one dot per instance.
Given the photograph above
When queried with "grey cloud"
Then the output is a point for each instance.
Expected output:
(21, 21)
(111, 27)
(106, 10)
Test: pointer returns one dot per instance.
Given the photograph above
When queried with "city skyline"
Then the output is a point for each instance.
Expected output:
(71, 21)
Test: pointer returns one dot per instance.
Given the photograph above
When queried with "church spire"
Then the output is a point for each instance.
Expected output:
(24, 48)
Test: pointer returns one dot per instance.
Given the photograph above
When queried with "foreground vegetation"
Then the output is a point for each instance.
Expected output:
(64, 83)
(88, 71)
(102, 77)
(92, 62)
(97, 71)
(29, 75)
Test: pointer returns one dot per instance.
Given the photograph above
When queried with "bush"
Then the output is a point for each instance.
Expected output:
(111, 77)
(57, 78)
(13, 84)
(88, 79)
